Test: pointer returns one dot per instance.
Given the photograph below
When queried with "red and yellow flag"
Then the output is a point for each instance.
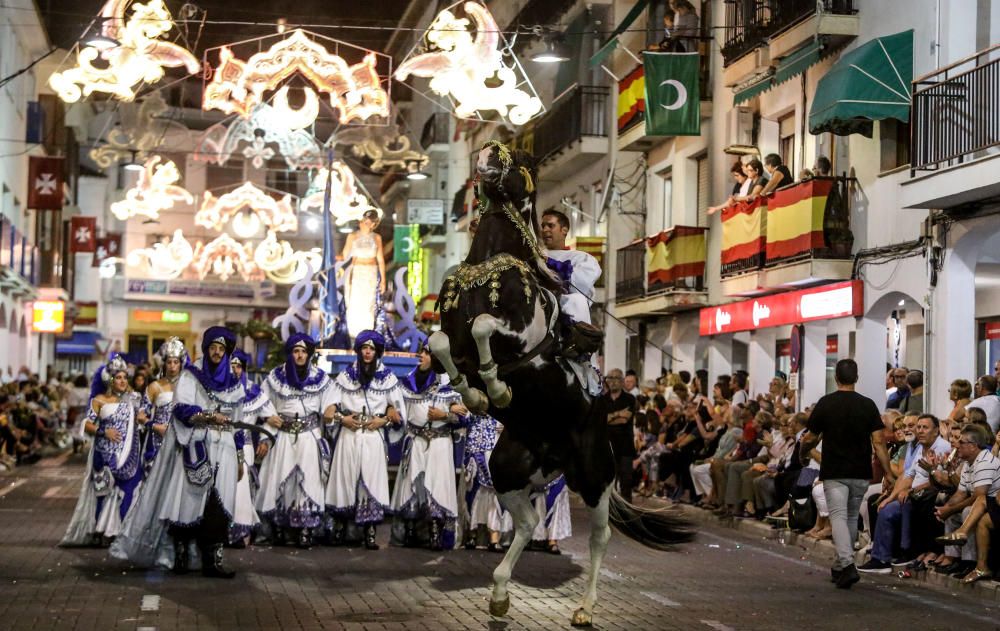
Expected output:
(742, 231)
(674, 254)
(795, 219)
(631, 97)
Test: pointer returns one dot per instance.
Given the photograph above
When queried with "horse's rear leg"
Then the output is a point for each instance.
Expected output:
(525, 519)
(483, 328)
(600, 532)
(473, 398)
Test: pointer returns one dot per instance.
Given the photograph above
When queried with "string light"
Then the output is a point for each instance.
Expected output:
(164, 260)
(277, 214)
(225, 258)
(140, 55)
(298, 147)
(354, 91)
(155, 192)
(347, 203)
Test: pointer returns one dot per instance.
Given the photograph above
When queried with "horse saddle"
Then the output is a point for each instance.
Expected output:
(580, 339)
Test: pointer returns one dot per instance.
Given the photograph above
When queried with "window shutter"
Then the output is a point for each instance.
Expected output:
(703, 192)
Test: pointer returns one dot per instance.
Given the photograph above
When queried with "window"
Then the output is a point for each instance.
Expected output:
(703, 191)
(894, 145)
(666, 182)
(786, 141)
(292, 182)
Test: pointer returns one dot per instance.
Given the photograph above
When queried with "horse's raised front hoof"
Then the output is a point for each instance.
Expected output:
(498, 608)
(582, 618)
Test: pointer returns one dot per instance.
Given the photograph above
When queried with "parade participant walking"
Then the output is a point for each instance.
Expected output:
(481, 501)
(113, 472)
(368, 396)
(552, 505)
(849, 424)
(256, 409)
(425, 485)
(291, 493)
(160, 395)
(190, 495)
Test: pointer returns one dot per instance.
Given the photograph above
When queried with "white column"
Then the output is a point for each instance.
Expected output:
(951, 327)
(813, 367)
(457, 243)
(760, 358)
(614, 345)
(653, 359)
(683, 339)
(720, 357)
(870, 352)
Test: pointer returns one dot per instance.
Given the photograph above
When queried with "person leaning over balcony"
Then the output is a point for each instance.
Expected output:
(778, 172)
(686, 26)
(754, 171)
(822, 167)
(740, 180)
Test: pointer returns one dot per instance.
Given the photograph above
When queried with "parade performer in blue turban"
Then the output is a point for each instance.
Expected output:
(368, 396)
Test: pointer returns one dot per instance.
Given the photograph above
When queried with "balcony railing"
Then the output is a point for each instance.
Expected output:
(809, 219)
(672, 260)
(954, 112)
(750, 22)
(17, 253)
(579, 112)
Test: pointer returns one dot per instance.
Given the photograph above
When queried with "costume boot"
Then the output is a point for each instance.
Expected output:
(305, 539)
(435, 542)
(410, 536)
(339, 532)
(211, 562)
(180, 556)
(370, 537)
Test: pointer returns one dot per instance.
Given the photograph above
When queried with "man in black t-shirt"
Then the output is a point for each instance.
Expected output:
(849, 424)
(620, 406)
(778, 172)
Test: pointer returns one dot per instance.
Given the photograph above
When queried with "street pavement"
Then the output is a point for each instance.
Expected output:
(725, 580)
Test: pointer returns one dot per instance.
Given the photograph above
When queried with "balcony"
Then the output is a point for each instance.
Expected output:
(955, 135)
(661, 274)
(751, 23)
(434, 136)
(19, 268)
(799, 235)
(571, 136)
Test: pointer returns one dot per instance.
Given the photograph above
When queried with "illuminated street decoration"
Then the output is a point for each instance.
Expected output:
(223, 257)
(265, 125)
(354, 91)
(141, 129)
(258, 153)
(464, 62)
(140, 55)
(277, 214)
(155, 192)
(347, 203)
(164, 260)
(385, 146)
(283, 264)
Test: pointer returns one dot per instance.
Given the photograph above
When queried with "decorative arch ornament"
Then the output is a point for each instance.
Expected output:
(347, 202)
(156, 191)
(276, 214)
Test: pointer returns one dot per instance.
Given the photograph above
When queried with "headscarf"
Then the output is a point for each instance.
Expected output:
(296, 375)
(370, 338)
(244, 360)
(218, 377)
(365, 373)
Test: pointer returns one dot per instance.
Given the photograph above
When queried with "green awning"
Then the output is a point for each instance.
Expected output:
(796, 62)
(751, 91)
(612, 42)
(872, 82)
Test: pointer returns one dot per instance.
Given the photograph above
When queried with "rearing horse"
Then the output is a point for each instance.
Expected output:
(499, 345)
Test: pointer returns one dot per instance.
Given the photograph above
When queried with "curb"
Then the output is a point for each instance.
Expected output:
(823, 551)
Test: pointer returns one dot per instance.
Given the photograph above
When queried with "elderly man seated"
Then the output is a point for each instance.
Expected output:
(896, 509)
(979, 482)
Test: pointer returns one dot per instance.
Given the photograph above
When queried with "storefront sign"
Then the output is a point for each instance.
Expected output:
(993, 330)
(191, 288)
(49, 316)
(165, 316)
(837, 300)
(429, 212)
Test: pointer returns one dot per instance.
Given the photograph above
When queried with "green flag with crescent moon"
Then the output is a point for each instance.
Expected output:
(405, 243)
(673, 99)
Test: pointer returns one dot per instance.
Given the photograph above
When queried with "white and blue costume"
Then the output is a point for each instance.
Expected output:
(255, 408)
(580, 271)
(481, 499)
(552, 505)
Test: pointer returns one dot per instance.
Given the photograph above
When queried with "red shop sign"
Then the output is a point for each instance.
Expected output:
(993, 330)
(837, 300)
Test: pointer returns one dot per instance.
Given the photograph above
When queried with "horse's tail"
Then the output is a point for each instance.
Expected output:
(659, 528)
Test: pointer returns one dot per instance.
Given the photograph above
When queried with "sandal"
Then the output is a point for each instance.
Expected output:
(553, 548)
(976, 575)
(953, 539)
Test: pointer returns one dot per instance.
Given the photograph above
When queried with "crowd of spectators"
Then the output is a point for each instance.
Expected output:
(717, 446)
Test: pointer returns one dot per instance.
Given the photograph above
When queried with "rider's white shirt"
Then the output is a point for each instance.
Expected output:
(586, 271)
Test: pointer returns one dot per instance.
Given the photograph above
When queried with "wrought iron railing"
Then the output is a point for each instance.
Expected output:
(579, 112)
(955, 113)
(630, 276)
(672, 260)
(750, 22)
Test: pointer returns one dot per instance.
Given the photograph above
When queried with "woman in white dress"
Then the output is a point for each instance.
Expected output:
(113, 474)
(552, 505)
(292, 494)
(160, 394)
(367, 396)
(482, 503)
(366, 275)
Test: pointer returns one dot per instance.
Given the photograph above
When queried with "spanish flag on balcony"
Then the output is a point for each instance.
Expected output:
(593, 246)
(631, 97)
(795, 219)
(742, 234)
(674, 254)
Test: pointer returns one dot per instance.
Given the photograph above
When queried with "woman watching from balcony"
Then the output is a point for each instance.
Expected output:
(755, 181)
(740, 181)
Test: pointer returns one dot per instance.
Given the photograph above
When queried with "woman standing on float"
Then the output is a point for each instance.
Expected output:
(291, 493)
(113, 473)
(366, 275)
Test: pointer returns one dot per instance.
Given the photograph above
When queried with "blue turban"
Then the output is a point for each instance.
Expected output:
(244, 359)
(220, 377)
(291, 370)
(370, 338)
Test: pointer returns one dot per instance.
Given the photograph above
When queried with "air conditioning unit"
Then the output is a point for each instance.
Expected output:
(739, 128)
